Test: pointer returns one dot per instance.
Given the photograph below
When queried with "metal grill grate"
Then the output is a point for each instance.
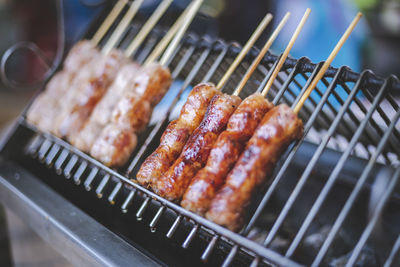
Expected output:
(351, 138)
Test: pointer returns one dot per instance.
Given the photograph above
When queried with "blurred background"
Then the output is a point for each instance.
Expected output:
(374, 44)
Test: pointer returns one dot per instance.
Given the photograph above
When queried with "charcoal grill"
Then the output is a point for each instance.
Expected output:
(332, 199)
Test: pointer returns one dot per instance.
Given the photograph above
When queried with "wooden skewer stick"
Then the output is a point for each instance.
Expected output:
(261, 55)
(174, 43)
(122, 26)
(286, 53)
(154, 18)
(267, 19)
(105, 26)
(327, 63)
(157, 51)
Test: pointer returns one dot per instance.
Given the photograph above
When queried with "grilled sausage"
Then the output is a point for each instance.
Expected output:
(174, 182)
(225, 153)
(102, 112)
(175, 136)
(42, 111)
(80, 55)
(108, 147)
(114, 145)
(152, 83)
(87, 89)
(279, 127)
(133, 112)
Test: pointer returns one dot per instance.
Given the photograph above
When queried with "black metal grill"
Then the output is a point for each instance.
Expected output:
(319, 190)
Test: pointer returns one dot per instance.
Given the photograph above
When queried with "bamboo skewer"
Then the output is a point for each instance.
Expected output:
(154, 18)
(286, 52)
(122, 26)
(327, 63)
(157, 51)
(263, 24)
(261, 55)
(174, 43)
(105, 26)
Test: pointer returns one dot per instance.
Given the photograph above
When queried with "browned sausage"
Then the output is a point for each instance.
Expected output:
(178, 131)
(279, 127)
(131, 114)
(225, 153)
(194, 156)
(86, 92)
(43, 110)
(114, 145)
(46, 106)
(108, 147)
(102, 112)
(80, 55)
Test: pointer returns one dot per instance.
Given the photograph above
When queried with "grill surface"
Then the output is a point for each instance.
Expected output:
(332, 197)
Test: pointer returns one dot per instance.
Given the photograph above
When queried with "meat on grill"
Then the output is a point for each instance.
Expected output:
(174, 182)
(152, 83)
(102, 112)
(175, 136)
(225, 153)
(279, 127)
(86, 91)
(41, 113)
(131, 115)
(114, 145)
(80, 54)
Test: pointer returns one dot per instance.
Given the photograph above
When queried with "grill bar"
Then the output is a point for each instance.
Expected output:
(346, 209)
(290, 157)
(102, 185)
(128, 201)
(90, 178)
(335, 173)
(210, 247)
(302, 181)
(290, 78)
(174, 226)
(393, 254)
(377, 214)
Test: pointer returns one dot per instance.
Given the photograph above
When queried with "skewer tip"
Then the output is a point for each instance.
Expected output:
(327, 63)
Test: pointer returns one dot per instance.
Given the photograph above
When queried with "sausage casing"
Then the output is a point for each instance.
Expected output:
(279, 127)
(86, 92)
(176, 134)
(225, 153)
(80, 55)
(102, 112)
(114, 145)
(44, 109)
(174, 182)
(132, 113)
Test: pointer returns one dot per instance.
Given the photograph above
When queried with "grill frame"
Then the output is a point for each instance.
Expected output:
(236, 243)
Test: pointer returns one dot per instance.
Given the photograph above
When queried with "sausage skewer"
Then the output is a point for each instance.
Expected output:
(41, 113)
(117, 141)
(193, 157)
(231, 142)
(105, 26)
(277, 130)
(124, 81)
(92, 82)
(178, 131)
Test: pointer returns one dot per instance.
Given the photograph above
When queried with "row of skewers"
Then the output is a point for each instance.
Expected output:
(100, 100)
(219, 151)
